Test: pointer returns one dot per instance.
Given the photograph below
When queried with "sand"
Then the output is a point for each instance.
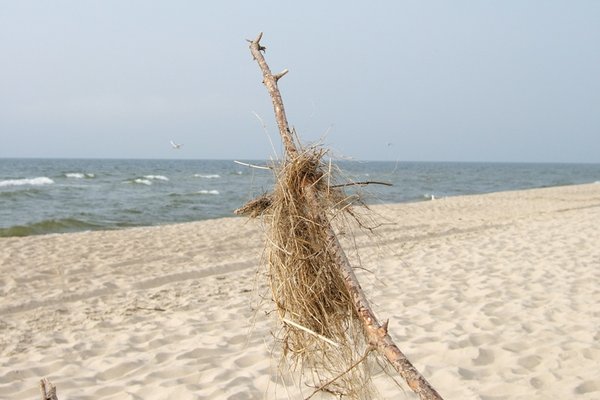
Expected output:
(491, 296)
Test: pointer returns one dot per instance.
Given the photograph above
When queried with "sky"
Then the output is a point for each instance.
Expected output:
(491, 81)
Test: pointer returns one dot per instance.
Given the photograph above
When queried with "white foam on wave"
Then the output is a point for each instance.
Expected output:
(79, 175)
(41, 180)
(156, 177)
(207, 176)
(203, 191)
(143, 181)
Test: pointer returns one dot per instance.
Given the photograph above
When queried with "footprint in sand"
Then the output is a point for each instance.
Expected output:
(253, 360)
(485, 357)
(119, 370)
(467, 373)
(162, 357)
(515, 347)
(588, 387)
(477, 339)
(108, 391)
(530, 362)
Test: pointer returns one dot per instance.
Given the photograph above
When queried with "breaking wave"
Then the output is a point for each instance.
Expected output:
(203, 191)
(148, 179)
(79, 175)
(156, 177)
(42, 180)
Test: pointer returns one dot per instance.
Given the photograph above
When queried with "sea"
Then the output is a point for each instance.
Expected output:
(43, 196)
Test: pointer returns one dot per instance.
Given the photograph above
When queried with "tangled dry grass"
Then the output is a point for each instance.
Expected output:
(321, 335)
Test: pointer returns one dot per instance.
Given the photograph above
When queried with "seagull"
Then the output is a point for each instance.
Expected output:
(175, 145)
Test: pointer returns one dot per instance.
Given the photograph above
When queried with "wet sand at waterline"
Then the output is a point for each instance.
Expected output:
(491, 296)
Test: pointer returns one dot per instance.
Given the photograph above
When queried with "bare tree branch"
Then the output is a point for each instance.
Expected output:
(271, 83)
(376, 333)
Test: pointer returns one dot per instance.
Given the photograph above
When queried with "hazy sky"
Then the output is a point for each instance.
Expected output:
(382, 80)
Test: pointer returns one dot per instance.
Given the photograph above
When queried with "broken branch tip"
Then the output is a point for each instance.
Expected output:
(281, 74)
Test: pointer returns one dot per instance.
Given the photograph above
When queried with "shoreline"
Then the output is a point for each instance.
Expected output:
(491, 296)
(18, 228)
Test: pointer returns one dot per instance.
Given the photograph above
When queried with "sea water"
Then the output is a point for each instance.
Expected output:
(39, 196)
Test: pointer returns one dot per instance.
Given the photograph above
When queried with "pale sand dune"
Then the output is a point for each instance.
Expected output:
(492, 297)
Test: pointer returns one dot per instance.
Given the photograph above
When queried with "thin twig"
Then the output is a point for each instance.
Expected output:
(251, 165)
(305, 329)
(362, 184)
(147, 308)
(335, 378)
(262, 122)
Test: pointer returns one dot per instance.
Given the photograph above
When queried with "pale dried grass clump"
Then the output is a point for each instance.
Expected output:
(321, 335)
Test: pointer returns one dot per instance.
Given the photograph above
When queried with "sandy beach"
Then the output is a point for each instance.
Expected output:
(492, 297)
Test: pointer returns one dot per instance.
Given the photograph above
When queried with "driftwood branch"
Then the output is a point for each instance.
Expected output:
(376, 333)
(270, 82)
(48, 390)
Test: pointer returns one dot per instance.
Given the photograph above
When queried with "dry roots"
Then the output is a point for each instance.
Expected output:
(321, 333)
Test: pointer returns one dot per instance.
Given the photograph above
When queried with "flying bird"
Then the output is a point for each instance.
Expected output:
(175, 145)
